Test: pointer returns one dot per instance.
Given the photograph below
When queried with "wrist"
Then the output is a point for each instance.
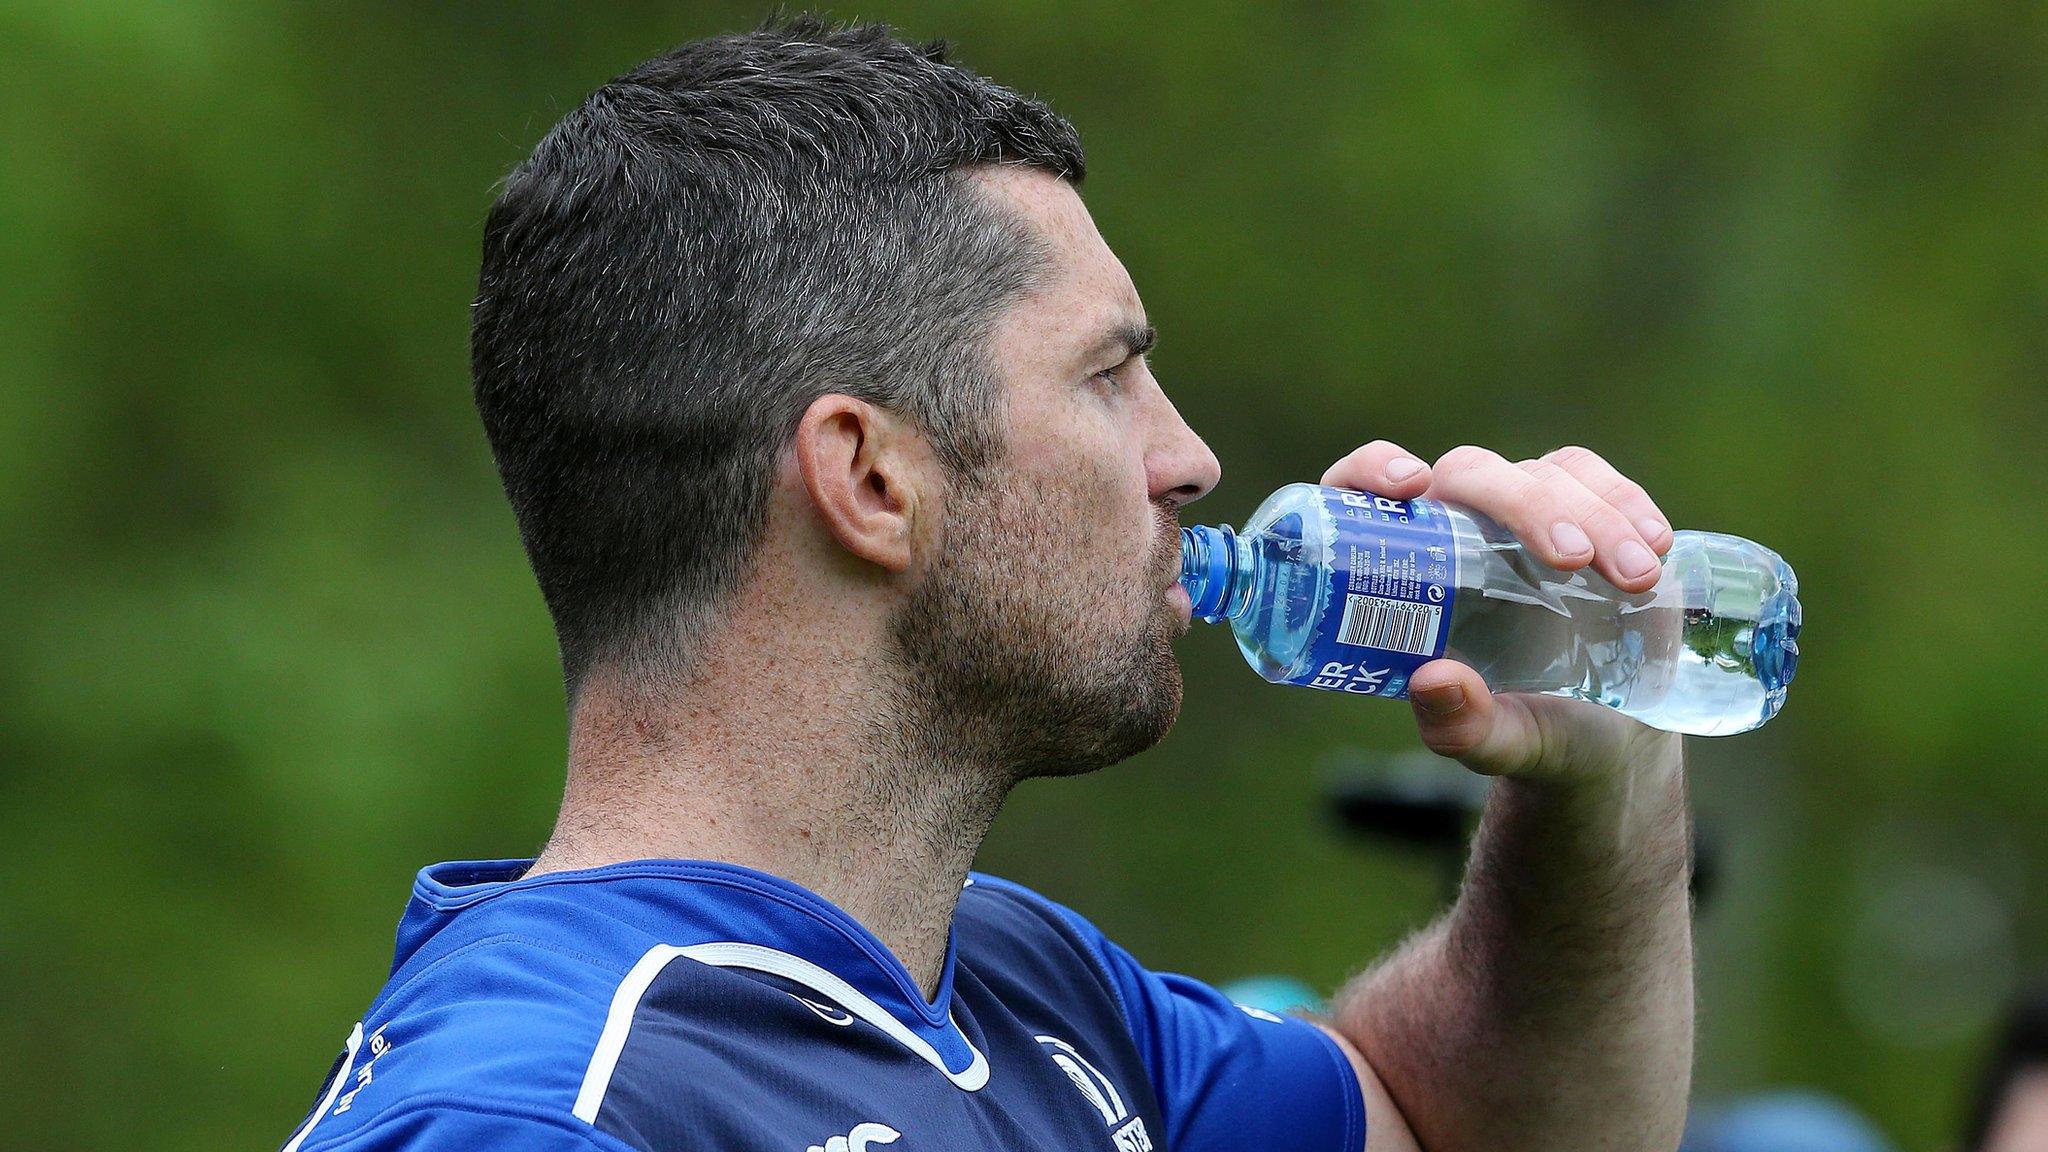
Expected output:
(1634, 759)
(1630, 804)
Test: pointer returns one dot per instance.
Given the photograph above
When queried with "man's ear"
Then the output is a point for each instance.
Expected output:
(863, 467)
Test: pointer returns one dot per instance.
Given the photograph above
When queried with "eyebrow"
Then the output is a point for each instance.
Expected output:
(1134, 339)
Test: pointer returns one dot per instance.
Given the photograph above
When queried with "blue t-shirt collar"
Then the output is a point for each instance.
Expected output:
(691, 902)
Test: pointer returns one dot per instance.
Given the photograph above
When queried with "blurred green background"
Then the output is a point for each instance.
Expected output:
(271, 645)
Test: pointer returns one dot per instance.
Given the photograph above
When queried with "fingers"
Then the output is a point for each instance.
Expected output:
(1620, 553)
(1536, 512)
(1556, 515)
(1605, 481)
(1383, 468)
(1571, 507)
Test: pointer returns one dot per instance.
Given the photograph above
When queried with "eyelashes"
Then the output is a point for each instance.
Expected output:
(1114, 377)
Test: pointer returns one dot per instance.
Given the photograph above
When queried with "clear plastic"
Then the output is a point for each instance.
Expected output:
(1709, 651)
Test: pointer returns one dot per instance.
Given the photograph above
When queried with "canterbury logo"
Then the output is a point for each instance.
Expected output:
(827, 1013)
(1094, 1086)
(862, 1136)
(1127, 1132)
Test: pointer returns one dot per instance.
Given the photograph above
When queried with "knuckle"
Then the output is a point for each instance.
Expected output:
(1572, 454)
(1531, 489)
(1466, 456)
(1453, 738)
(1535, 502)
(1627, 491)
(1606, 519)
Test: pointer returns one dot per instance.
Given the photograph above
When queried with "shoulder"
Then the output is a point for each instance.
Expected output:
(999, 915)
(991, 904)
(1224, 1076)
(459, 1124)
(495, 1033)
(1011, 935)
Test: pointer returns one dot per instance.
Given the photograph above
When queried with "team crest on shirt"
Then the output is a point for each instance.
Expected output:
(1126, 1131)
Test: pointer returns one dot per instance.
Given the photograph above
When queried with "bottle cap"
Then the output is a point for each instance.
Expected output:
(1205, 559)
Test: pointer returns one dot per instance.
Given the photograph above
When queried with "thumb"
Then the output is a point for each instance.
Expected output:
(1514, 734)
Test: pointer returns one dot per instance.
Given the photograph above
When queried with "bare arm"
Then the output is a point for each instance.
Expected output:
(1551, 1008)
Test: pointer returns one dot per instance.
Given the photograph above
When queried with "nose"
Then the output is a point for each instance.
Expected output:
(1179, 467)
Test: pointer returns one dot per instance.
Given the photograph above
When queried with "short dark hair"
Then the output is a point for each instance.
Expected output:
(700, 249)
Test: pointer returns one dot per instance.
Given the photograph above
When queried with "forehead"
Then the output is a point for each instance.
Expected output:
(1086, 287)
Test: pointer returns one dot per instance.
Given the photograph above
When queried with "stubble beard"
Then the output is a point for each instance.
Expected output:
(1021, 659)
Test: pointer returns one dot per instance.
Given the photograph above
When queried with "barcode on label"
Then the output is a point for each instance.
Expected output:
(1390, 625)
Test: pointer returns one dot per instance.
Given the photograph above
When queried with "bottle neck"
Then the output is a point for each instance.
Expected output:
(1216, 569)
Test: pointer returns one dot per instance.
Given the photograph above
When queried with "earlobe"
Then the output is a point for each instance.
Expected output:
(852, 458)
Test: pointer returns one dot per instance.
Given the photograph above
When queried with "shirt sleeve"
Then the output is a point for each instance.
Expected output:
(447, 1125)
(1228, 1078)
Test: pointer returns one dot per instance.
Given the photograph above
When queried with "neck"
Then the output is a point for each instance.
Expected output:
(820, 781)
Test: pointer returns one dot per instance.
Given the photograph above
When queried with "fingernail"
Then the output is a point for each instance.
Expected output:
(1634, 561)
(1402, 467)
(1569, 539)
(1652, 528)
(1441, 701)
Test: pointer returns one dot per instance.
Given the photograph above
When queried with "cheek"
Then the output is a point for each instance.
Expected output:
(1120, 526)
(1114, 456)
(1088, 480)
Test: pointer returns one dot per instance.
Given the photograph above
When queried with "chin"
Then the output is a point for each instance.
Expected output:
(1155, 716)
(1136, 712)
(1159, 686)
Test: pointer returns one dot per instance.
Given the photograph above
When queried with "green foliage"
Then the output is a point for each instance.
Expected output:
(273, 647)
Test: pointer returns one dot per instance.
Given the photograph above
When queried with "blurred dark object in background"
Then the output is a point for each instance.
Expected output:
(1426, 802)
(2009, 1110)
(1414, 799)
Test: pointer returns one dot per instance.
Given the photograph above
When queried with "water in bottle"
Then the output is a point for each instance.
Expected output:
(1351, 592)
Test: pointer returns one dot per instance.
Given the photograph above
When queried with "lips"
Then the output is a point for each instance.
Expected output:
(1169, 545)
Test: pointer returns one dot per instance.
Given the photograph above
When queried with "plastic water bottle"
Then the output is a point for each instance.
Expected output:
(1351, 592)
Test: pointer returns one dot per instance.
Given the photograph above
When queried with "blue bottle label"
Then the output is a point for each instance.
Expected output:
(1393, 579)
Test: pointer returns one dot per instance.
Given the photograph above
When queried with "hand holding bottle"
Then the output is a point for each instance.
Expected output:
(1570, 509)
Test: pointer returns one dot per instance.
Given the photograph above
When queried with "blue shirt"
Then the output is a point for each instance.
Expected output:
(677, 1005)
